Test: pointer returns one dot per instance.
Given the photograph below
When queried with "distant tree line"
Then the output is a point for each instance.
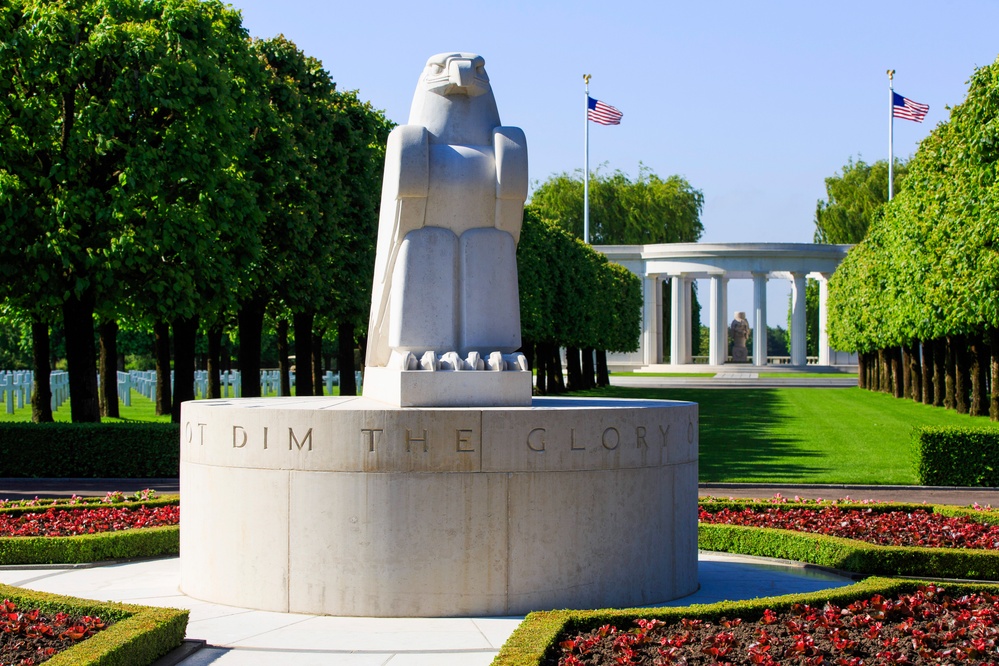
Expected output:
(917, 297)
(161, 171)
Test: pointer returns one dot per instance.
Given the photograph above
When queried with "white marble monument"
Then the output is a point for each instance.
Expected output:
(446, 490)
(445, 297)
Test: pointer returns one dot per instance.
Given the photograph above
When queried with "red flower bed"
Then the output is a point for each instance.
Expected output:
(925, 627)
(29, 637)
(87, 520)
(888, 528)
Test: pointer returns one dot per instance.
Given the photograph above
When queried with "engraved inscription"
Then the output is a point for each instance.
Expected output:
(410, 439)
(370, 432)
(189, 432)
(572, 441)
(664, 433)
(237, 432)
(606, 441)
(536, 440)
(640, 437)
(463, 441)
(292, 439)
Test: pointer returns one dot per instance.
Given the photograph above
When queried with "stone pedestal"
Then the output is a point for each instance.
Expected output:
(345, 506)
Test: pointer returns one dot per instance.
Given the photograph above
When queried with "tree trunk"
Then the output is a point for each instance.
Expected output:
(41, 395)
(928, 372)
(345, 357)
(185, 336)
(214, 361)
(161, 344)
(950, 374)
(282, 351)
(108, 332)
(317, 363)
(906, 372)
(962, 373)
(862, 369)
(303, 352)
(81, 357)
(250, 320)
(978, 362)
(884, 371)
(540, 369)
(603, 376)
(915, 372)
(895, 358)
(573, 369)
(939, 372)
(556, 382)
(589, 370)
(994, 374)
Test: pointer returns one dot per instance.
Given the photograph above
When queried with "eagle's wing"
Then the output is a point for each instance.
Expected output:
(510, 146)
(403, 208)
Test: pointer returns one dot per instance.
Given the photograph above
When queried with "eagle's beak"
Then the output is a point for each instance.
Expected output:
(461, 73)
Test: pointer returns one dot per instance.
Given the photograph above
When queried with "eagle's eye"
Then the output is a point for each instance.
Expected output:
(436, 68)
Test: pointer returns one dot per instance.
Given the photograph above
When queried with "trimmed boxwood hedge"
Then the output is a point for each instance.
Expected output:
(957, 456)
(139, 635)
(80, 450)
(537, 636)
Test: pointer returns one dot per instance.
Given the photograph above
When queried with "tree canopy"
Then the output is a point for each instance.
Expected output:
(623, 211)
(853, 200)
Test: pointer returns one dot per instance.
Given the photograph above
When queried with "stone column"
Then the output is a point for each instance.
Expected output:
(759, 318)
(824, 356)
(688, 303)
(651, 318)
(718, 350)
(798, 321)
(678, 345)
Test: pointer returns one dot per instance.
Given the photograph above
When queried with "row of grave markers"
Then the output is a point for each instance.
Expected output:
(16, 385)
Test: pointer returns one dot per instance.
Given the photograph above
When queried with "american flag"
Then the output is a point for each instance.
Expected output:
(903, 107)
(605, 114)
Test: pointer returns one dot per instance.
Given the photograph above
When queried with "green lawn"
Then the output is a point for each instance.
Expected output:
(798, 375)
(804, 435)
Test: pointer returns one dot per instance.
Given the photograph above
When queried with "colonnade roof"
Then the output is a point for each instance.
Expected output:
(733, 260)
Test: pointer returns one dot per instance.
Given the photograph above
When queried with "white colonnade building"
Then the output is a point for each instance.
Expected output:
(675, 266)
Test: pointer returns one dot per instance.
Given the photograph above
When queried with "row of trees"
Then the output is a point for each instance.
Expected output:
(158, 167)
(917, 298)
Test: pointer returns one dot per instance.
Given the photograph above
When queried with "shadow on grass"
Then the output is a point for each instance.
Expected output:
(736, 437)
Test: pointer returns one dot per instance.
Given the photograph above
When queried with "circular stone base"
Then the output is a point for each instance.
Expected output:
(344, 506)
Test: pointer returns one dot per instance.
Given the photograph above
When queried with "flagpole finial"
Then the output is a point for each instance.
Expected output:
(586, 78)
(891, 74)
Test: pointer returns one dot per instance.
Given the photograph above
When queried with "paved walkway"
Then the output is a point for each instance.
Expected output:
(729, 380)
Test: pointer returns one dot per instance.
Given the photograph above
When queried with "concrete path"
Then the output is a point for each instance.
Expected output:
(730, 380)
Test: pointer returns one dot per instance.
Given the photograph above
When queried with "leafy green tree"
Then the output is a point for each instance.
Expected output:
(623, 211)
(356, 228)
(853, 199)
(128, 112)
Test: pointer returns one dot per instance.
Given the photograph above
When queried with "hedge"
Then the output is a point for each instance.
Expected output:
(850, 555)
(79, 450)
(957, 456)
(139, 635)
(535, 641)
(100, 547)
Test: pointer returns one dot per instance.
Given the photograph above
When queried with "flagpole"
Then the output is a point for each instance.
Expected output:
(891, 126)
(586, 161)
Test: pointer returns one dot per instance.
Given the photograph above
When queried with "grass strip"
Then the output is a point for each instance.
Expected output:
(535, 641)
(139, 635)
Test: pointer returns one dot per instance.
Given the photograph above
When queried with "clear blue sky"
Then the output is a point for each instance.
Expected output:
(754, 103)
